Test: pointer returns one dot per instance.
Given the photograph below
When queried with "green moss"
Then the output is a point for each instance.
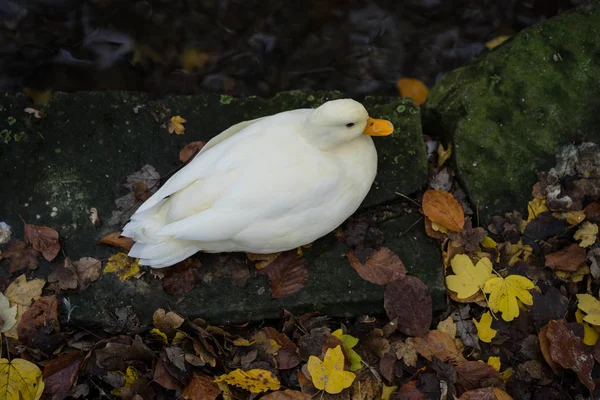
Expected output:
(226, 99)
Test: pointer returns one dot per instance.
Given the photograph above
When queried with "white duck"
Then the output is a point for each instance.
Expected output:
(263, 186)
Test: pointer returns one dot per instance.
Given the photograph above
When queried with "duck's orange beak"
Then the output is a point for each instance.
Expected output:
(378, 127)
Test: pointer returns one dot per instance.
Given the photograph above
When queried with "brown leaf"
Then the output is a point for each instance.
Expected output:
(21, 256)
(262, 261)
(39, 325)
(568, 259)
(162, 376)
(287, 355)
(63, 273)
(230, 267)
(167, 322)
(182, 277)
(362, 236)
(61, 373)
(75, 275)
(190, 150)
(408, 300)
(287, 274)
(568, 351)
(469, 238)
(409, 391)
(287, 394)
(545, 349)
(472, 375)
(442, 208)
(200, 387)
(592, 212)
(116, 240)
(88, 270)
(43, 239)
(383, 267)
(438, 344)
(489, 393)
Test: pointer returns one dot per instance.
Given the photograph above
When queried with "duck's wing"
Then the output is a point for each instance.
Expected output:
(227, 133)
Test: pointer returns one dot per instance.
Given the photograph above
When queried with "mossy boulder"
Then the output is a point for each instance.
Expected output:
(55, 169)
(509, 112)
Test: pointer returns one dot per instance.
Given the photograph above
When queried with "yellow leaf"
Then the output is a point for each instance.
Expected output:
(225, 391)
(496, 41)
(329, 375)
(444, 154)
(387, 391)
(518, 252)
(131, 375)
(179, 336)
(20, 380)
(590, 335)
(158, 332)
(535, 208)
(447, 326)
(8, 314)
(22, 293)
(581, 273)
(242, 342)
(591, 306)
(193, 58)
(489, 243)
(468, 278)
(39, 97)
(254, 380)
(505, 294)
(176, 125)
(349, 342)
(494, 362)
(484, 327)
(572, 217)
(123, 265)
(587, 234)
(414, 89)
(506, 374)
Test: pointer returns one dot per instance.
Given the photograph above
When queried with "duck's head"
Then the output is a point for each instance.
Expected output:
(340, 121)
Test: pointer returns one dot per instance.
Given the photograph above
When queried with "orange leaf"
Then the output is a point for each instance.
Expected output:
(413, 88)
(288, 273)
(442, 208)
(43, 239)
(190, 150)
(381, 268)
(200, 387)
(439, 344)
(116, 240)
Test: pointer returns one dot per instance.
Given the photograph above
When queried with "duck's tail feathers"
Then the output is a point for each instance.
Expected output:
(156, 250)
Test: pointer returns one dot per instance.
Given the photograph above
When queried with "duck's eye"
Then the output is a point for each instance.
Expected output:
(350, 124)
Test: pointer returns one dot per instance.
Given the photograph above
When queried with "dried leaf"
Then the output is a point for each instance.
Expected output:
(472, 375)
(329, 375)
(176, 125)
(447, 326)
(587, 233)
(190, 150)
(116, 240)
(20, 380)
(505, 294)
(438, 344)
(167, 322)
(43, 239)
(200, 387)
(408, 301)
(231, 267)
(182, 277)
(468, 279)
(567, 259)
(39, 324)
(287, 274)
(568, 351)
(124, 266)
(21, 256)
(414, 89)
(443, 154)
(287, 394)
(8, 314)
(383, 267)
(254, 380)
(442, 208)
(489, 393)
(88, 270)
(64, 274)
(61, 373)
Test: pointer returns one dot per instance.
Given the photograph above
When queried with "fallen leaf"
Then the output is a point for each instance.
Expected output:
(193, 58)
(39, 325)
(494, 362)
(587, 233)
(472, 375)
(567, 259)
(182, 277)
(287, 394)
(94, 217)
(200, 387)
(349, 342)
(231, 267)
(590, 335)
(569, 352)
(410, 391)
(20, 380)
(167, 322)
(254, 380)
(407, 352)
(64, 273)
(61, 373)
(22, 293)
(545, 349)
(572, 217)
(329, 375)
(176, 125)
(468, 279)
(381, 268)
(591, 306)
(162, 376)
(261, 261)
(21, 256)
(287, 274)
(124, 266)
(443, 153)
(484, 327)
(442, 208)
(387, 391)
(8, 314)
(505, 294)
(408, 301)
(88, 270)
(535, 208)
(190, 150)
(488, 393)
(116, 240)
(447, 326)
(414, 89)
(43, 239)
(469, 238)
(548, 306)
(438, 344)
